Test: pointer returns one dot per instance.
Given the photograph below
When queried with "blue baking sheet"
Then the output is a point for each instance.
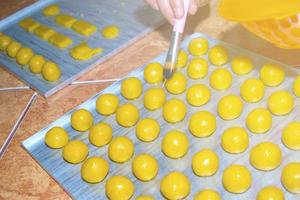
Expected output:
(134, 19)
(68, 175)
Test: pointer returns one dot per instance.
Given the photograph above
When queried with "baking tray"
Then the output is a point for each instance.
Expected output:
(134, 19)
(68, 175)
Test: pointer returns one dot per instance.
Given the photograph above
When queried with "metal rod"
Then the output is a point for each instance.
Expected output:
(17, 125)
(94, 81)
(14, 88)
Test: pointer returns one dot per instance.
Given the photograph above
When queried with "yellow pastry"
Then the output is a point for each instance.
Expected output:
(198, 95)
(44, 32)
(145, 197)
(230, 107)
(291, 135)
(218, 55)
(5, 40)
(144, 167)
(65, 20)
(56, 137)
(281, 102)
(59, 40)
(174, 110)
(131, 88)
(175, 144)
(51, 10)
(202, 124)
(75, 151)
(94, 169)
(296, 86)
(36, 64)
(147, 130)
(176, 84)
(197, 68)
(84, 52)
(235, 140)
(198, 46)
(205, 163)
(252, 90)
(50, 71)
(241, 65)
(100, 134)
(182, 59)
(272, 75)
(107, 104)
(154, 98)
(220, 79)
(290, 177)
(259, 120)
(29, 24)
(13, 48)
(120, 149)
(24, 55)
(119, 188)
(84, 28)
(127, 115)
(82, 120)
(153, 73)
(207, 194)
(270, 193)
(110, 32)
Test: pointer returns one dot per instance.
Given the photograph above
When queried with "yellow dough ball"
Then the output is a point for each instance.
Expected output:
(241, 65)
(13, 48)
(252, 90)
(120, 149)
(270, 193)
(131, 88)
(147, 130)
(75, 151)
(207, 194)
(197, 68)
(236, 179)
(265, 156)
(36, 64)
(175, 144)
(174, 110)
(218, 55)
(145, 167)
(56, 138)
(94, 169)
(5, 40)
(82, 120)
(198, 95)
(145, 197)
(153, 73)
(198, 46)
(176, 84)
(202, 124)
(235, 140)
(119, 188)
(272, 75)
(290, 177)
(107, 104)
(154, 98)
(291, 135)
(181, 59)
(127, 115)
(100, 134)
(50, 71)
(175, 186)
(205, 163)
(281, 102)
(296, 86)
(51, 10)
(110, 32)
(230, 107)
(220, 79)
(259, 120)
(24, 55)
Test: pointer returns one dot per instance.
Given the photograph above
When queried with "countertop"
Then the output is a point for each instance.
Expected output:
(20, 176)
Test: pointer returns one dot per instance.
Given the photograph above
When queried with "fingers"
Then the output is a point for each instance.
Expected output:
(153, 4)
(166, 10)
(193, 7)
(178, 8)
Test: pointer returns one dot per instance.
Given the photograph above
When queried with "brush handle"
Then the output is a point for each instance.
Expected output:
(180, 23)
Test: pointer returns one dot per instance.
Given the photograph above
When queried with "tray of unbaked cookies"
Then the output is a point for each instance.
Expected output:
(225, 126)
(51, 43)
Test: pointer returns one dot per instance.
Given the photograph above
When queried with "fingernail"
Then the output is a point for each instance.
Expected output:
(178, 13)
(193, 9)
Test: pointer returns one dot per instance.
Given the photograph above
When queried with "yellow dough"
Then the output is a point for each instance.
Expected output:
(107, 104)
(291, 135)
(220, 79)
(175, 186)
(65, 20)
(84, 52)
(198, 46)
(236, 179)
(44, 32)
(281, 102)
(50, 71)
(202, 124)
(56, 137)
(82, 120)
(145, 197)
(177, 83)
(147, 130)
(218, 55)
(290, 177)
(51, 10)
(252, 90)
(5, 40)
(120, 149)
(144, 167)
(29, 24)
(296, 86)
(181, 59)
(197, 68)
(241, 65)
(272, 75)
(13, 48)
(198, 95)
(127, 115)
(259, 120)
(207, 194)
(119, 188)
(131, 88)
(270, 193)
(36, 64)
(235, 140)
(110, 32)
(59, 40)
(205, 163)
(174, 110)
(175, 144)
(153, 73)
(94, 169)
(24, 55)
(265, 156)
(230, 107)
(75, 151)
(100, 134)
(154, 98)
(84, 28)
